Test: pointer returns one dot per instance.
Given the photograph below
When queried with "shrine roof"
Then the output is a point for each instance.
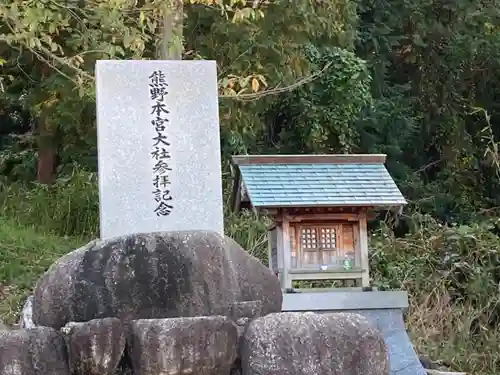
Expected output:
(316, 180)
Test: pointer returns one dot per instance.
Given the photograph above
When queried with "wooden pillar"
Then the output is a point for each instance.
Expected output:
(287, 254)
(357, 245)
(279, 253)
(270, 249)
(363, 247)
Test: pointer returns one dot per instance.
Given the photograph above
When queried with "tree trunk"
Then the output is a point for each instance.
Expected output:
(170, 45)
(45, 173)
(46, 152)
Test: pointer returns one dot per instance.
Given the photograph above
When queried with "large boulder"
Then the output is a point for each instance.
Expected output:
(294, 343)
(36, 351)
(204, 345)
(155, 275)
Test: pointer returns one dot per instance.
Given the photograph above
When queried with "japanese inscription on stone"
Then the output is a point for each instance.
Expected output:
(158, 147)
(160, 152)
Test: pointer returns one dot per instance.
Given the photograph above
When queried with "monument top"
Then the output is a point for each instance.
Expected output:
(158, 146)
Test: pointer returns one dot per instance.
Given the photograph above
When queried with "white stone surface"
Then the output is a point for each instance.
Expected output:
(125, 142)
(345, 300)
(26, 319)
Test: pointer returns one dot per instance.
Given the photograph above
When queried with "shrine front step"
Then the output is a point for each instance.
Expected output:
(339, 289)
(383, 308)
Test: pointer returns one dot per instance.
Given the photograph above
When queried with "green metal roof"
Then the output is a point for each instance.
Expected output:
(291, 181)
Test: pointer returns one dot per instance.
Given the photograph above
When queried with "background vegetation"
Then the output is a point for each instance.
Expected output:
(417, 80)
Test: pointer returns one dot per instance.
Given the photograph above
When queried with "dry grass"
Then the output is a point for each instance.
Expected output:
(452, 274)
(454, 334)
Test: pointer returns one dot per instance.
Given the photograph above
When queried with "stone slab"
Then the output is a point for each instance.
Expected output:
(186, 164)
(344, 300)
(402, 357)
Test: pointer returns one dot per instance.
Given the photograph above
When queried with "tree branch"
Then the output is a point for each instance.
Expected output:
(52, 60)
(277, 90)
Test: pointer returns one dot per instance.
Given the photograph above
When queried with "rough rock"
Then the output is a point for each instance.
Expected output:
(26, 318)
(243, 312)
(247, 309)
(95, 347)
(156, 275)
(36, 351)
(183, 346)
(295, 343)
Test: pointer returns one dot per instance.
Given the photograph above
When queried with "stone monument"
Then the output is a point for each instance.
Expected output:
(158, 147)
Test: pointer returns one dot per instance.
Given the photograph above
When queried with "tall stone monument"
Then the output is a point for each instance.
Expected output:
(158, 147)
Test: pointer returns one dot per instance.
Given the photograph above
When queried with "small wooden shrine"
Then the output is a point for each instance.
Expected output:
(319, 205)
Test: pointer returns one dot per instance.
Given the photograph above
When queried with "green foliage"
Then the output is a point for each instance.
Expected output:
(445, 56)
(17, 159)
(274, 48)
(250, 231)
(387, 127)
(463, 258)
(69, 207)
(24, 255)
(321, 113)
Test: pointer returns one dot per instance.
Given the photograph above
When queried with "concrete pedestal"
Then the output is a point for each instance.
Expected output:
(383, 309)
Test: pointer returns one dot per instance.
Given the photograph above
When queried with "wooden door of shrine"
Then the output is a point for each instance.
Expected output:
(324, 244)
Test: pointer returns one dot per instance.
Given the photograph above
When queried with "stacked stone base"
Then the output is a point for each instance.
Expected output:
(288, 343)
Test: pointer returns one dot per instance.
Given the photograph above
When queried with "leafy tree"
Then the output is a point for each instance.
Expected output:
(319, 116)
(51, 49)
(435, 61)
(58, 43)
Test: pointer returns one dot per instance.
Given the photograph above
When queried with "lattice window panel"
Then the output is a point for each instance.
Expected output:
(324, 244)
(308, 239)
(328, 238)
